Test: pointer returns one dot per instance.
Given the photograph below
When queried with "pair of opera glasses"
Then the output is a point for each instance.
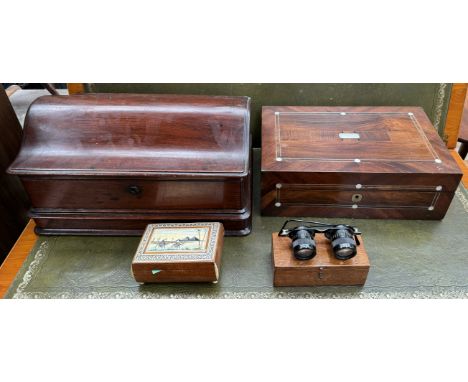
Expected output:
(343, 238)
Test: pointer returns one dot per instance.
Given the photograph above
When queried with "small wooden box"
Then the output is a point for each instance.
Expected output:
(356, 162)
(323, 269)
(179, 252)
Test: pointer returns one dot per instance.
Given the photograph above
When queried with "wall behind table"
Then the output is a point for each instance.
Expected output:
(434, 98)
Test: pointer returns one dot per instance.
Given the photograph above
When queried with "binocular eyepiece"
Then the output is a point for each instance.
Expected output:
(342, 237)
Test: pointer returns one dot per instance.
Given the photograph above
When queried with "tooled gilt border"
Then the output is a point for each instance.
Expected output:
(435, 292)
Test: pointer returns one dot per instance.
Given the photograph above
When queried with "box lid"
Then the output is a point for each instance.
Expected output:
(382, 140)
(135, 135)
(179, 243)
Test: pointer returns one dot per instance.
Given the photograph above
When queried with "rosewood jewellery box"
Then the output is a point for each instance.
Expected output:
(358, 162)
(110, 164)
(179, 252)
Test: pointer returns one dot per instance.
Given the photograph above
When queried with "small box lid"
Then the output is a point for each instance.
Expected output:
(352, 139)
(135, 135)
(179, 243)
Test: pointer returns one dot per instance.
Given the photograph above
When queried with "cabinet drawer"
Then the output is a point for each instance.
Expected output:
(294, 195)
(126, 194)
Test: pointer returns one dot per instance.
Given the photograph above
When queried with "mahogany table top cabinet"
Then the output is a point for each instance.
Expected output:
(358, 162)
(110, 164)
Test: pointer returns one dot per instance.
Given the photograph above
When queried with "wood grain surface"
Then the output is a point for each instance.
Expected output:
(75, 88)
(463, 166)
(434, 98)
(135, 193)
(455, 113)
(128, 160)
(133, 134)
(394, 165)
(127, 223)
(393, 141)
(16, 257)
(463, 133)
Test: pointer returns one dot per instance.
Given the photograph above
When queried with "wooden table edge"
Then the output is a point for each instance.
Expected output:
(16, 257)
(463, 166)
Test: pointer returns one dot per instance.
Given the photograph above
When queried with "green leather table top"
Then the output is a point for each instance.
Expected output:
(408, 259)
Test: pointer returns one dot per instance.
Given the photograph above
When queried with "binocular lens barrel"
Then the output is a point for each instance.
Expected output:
(342, 238)
(343, 244)
(303, 245)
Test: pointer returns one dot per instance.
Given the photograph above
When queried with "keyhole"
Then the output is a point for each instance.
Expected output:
(356, 198)
(134, 190)
(320, 275)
